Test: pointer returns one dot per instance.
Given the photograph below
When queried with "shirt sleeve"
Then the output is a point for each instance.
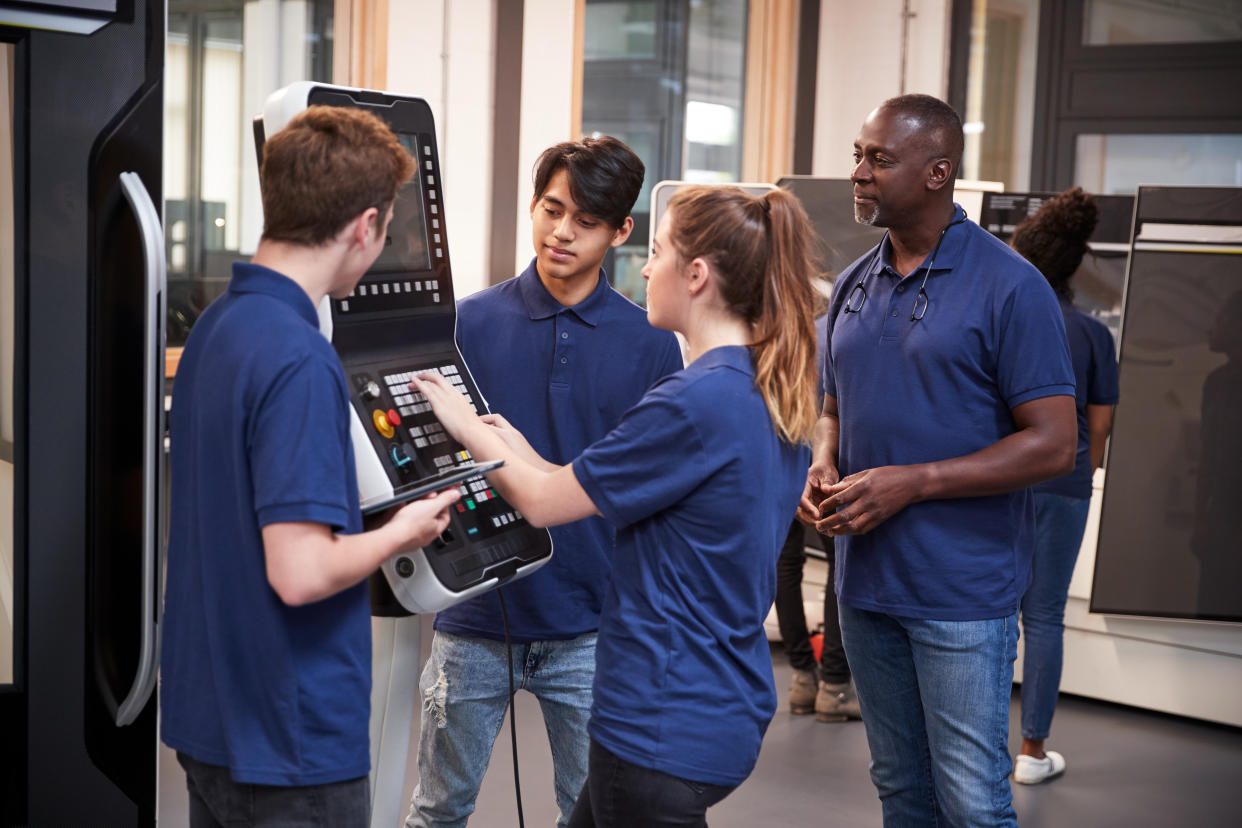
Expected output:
(653, 459)
(298, 447)
(1033, 358)
(463, 335)
(1102, 385)
(828, 376)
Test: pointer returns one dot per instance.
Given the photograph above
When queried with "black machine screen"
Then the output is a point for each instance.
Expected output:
(406, 249)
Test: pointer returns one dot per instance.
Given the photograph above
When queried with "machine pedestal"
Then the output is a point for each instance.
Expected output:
(395, 659)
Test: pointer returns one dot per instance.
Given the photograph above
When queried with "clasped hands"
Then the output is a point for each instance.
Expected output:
(858, 503)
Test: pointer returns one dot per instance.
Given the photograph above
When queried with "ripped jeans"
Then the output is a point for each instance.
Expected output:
(465, 692)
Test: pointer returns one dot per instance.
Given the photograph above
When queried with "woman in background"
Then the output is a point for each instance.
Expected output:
(1054, 239)
(700, 478)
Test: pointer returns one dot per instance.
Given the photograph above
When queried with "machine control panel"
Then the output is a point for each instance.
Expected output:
(400, 320)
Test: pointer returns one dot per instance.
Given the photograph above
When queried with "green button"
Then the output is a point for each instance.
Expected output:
(469, 504)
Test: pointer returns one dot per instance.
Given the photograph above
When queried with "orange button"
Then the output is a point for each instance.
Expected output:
(381, 423)
(394, 419)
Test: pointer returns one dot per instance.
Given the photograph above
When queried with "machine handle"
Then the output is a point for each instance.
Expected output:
(154, 342)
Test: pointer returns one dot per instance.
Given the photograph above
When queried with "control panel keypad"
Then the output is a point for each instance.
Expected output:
(421, 426)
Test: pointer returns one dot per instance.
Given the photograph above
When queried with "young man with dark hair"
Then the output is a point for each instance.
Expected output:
(948, 392)
(266, 664)
(576, 355)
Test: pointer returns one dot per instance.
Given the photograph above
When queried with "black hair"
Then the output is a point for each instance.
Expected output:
(605, 176)
(943, 126)
(1054, 237)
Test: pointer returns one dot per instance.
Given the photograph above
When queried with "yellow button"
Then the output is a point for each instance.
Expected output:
(380, 418)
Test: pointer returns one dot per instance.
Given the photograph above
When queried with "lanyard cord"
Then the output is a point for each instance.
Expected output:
(919, 310)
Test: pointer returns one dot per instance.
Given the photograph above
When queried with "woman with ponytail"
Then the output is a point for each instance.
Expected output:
(699, 478)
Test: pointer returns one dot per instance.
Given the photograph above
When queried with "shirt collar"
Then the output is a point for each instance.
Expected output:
(253, 278)
(947, 257)
(541, 305)
(737, 357)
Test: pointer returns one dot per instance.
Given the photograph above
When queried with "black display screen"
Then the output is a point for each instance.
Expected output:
(406, 249)
(1170, 541)
(829, 204)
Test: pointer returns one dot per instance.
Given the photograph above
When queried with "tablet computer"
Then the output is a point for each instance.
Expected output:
(445, 480)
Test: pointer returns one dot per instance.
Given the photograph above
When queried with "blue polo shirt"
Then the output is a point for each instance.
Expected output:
(563, 377)
(1095, 383)
(260, 435)
(701, 490)
(908, 392)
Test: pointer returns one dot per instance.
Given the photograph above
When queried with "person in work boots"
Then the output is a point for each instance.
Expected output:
(822, 686)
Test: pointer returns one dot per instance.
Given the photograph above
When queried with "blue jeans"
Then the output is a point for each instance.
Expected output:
(935, 703)
(217, 801)
(465, 690)
(1059, 524)
(620, 794)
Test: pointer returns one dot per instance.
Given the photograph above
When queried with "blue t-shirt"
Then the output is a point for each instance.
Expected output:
(260, 435)
(908, 392)
(1095, 383)
(563, 377)
(701, 490)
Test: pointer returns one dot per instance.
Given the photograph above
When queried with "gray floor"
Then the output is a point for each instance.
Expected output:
(1125, 768)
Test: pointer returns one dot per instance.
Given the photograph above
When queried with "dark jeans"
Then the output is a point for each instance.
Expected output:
(217, 801)
(618, 794)
(791, 617)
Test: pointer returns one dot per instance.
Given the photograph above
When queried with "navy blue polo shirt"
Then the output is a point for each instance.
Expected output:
(1095, 382)
(260, 435)
(908, 392)
(702, 491)
(563, 377)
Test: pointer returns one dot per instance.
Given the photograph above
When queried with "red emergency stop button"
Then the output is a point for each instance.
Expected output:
(394, 419)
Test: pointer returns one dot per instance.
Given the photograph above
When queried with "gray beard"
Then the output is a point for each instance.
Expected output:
(868, 220)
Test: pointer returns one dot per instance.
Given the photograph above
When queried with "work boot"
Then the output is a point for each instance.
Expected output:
(836, 703)
(803, 692)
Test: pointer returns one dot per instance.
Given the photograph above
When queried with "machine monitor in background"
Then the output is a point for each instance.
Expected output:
(1099, 280)
(829, 203)
(399, 321)
(1171, 520)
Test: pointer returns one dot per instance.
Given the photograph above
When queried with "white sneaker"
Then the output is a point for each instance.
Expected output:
(1031, 771)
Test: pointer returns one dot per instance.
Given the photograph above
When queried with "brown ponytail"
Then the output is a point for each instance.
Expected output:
(760, 248)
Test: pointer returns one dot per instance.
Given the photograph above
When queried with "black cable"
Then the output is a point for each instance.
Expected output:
(517, 784)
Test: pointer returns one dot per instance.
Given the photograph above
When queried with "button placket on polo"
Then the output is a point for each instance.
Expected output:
(562, 352)
(892, 315)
